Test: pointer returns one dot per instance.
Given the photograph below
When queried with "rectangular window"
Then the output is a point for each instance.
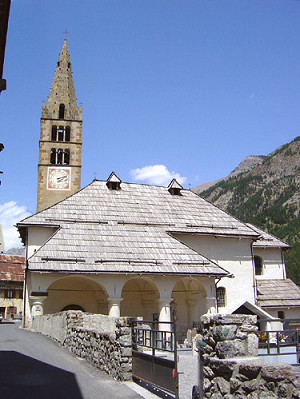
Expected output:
(221, 294)
(280, 314)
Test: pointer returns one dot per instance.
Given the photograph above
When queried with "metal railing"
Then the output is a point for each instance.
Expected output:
(275, 342)
(154, 354)
(146, 334)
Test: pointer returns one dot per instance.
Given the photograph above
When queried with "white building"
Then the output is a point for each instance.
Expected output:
(139, 250)
(130, 249)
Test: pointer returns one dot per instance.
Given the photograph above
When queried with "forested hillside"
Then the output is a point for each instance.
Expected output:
(268, 196)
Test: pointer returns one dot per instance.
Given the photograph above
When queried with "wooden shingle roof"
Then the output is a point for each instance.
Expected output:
(130, 230)
(267, 240)
(278, 293)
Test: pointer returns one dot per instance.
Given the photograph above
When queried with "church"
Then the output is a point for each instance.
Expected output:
(126, 249)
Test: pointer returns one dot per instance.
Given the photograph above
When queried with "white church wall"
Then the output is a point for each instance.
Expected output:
(37, 236)
(273, 264)
(234, 255)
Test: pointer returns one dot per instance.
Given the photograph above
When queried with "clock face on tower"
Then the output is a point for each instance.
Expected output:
(59, 178)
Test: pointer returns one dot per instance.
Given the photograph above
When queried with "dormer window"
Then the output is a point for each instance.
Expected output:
(113, 182)
(174, 187)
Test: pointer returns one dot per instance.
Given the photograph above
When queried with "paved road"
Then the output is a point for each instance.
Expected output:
(34, 367)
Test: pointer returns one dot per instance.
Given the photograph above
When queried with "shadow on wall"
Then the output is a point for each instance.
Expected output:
(25, 377)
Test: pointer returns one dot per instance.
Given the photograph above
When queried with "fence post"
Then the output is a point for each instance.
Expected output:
(175, 356)
(298, 346)
(133, 333)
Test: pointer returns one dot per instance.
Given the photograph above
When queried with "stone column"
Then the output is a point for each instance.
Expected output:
(165, 313)
(37, 305)
(114, 306)
(211, 305)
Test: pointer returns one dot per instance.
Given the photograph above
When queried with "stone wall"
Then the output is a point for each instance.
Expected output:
(231, 368)
(103, 341)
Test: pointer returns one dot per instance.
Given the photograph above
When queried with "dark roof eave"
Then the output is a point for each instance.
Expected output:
(252, 237)
(279, 306)
(127, 272)
(37, 225)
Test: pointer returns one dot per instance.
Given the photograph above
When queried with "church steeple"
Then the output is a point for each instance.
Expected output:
(59, 167)
(62, 91)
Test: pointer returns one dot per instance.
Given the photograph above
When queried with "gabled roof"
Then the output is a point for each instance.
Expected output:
(267, 240)
(278, 293)
(243, 303)
(129, 230)
(144, 204)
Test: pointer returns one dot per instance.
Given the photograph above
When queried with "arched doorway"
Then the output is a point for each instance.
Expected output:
(81, 292)
(140, 297)
(189, 301)
(73, 307)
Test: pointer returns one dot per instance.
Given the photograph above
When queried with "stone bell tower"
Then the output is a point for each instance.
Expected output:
(59, 167)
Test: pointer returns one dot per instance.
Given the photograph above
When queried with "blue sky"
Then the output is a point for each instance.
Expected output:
(191, 85)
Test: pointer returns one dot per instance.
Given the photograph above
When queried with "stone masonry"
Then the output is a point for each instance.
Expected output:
(103, 341)
(231, 367)
(62, 93)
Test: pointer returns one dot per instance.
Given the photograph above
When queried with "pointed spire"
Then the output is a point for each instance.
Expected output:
(62, 90)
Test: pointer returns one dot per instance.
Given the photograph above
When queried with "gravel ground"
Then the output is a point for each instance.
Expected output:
(188, 366)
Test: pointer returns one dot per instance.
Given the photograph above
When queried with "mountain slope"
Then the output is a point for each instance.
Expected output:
(268, 196)
(248, 163)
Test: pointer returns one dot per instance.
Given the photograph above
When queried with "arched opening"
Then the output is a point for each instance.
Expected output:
(258, 265)
(189, 301)
(61, 113)
(53, 156)
(67, 157)
(54, 133)
(61, 133)
(81, 292)
(59, 157)
(73, 307)
(67, 133)
(140, 297)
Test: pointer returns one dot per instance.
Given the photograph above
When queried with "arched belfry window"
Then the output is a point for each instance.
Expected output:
(67, 157)
(54, 133)
(60, 133)
(67, 133)
(53, 156)
(258, 263)
(61, 113)
(59, 159)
